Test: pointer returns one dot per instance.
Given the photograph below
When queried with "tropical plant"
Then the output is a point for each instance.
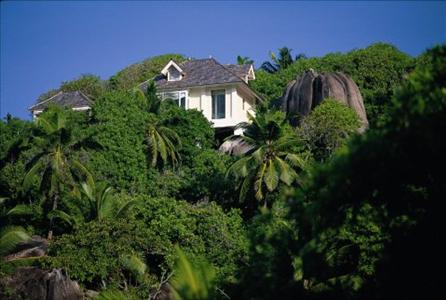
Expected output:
(101, 202)
(10, 237)
(162, 141)
(244, 60)
(192, 282)
(281, 61)
(273, 156)
(328, 127)
(54, 161)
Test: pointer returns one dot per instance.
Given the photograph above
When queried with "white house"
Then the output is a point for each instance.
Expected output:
(220, 92)
(75, 100)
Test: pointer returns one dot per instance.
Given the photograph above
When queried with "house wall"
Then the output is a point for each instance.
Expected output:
(237, 104)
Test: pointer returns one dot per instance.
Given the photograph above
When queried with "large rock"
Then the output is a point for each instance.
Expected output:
(307, 91)
(34, 284)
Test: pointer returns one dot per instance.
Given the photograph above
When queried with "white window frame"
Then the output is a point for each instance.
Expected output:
(163, 96)
(169, 78)
(218, 92)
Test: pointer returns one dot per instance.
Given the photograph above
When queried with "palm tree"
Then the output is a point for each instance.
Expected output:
(10, 237)
(54, 162)
(273, 156)
(102, 204)
(163, 143)
(192, 282)
(280, 62)
(244, 60)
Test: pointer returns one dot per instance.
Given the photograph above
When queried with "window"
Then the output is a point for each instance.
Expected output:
(218, 104)
(173, 74)
(178, 97)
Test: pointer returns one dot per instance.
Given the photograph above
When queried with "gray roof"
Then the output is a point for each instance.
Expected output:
(239, 70)
(201, 72)
(65, 99)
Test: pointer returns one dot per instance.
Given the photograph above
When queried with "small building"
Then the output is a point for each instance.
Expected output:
(75, 100)
(220, 92)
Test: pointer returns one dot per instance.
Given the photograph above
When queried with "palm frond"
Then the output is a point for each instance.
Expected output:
(20, 210)
(10, 237)
(126, 207)
(271, 178)
(58, 214)
(259, 182)
(30, 175)
(192, 282)
(295, 160)
(112, 295)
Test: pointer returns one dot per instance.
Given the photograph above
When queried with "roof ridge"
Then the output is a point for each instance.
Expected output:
(229, 70)
(29, 108)
(85, 96)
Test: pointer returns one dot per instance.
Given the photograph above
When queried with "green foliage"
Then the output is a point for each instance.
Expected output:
(99, 251)
(274, 155)
(244, 60)
(269, 272)
(192, 281)
(10, 237)
(194, 130)
(111, 294)
(204, 178)
(54, 164)
(135, 74)
(280, 62)
(119, 121)
(377, 70)
(101, 203)
(387, 193)
(328, 127)
(90, 85)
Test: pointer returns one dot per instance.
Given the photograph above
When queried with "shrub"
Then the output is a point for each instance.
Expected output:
(93, 253)
(327, 128)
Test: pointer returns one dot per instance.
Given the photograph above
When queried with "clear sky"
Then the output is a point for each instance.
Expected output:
(45, 43)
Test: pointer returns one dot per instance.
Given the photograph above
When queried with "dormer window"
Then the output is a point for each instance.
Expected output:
(172, 71)
(173, 74)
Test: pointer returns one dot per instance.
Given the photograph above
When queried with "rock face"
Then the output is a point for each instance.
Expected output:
(34, 283)
(307, 91)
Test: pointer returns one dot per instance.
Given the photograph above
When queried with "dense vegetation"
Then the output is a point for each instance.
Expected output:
(134, 194)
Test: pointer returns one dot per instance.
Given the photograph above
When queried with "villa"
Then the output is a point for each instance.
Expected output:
(220, 92)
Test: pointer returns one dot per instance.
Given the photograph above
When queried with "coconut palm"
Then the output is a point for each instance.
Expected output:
(54, 162)
(102, 204)
(273, 155)
(281, 61)
(163, 143)
(244, 60)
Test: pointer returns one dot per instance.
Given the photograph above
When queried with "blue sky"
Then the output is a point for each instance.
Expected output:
(45, 43)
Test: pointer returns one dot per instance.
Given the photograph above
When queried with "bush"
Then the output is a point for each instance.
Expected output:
(377, 70)
(93, 253)
(119, 121)
(328, 127)
(369, 220)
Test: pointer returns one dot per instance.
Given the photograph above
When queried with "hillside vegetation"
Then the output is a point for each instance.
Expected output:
(137, 203)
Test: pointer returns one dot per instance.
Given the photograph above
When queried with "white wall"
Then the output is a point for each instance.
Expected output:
(237, 104)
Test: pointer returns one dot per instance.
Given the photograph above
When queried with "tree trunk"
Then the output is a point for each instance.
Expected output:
(50, 231)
